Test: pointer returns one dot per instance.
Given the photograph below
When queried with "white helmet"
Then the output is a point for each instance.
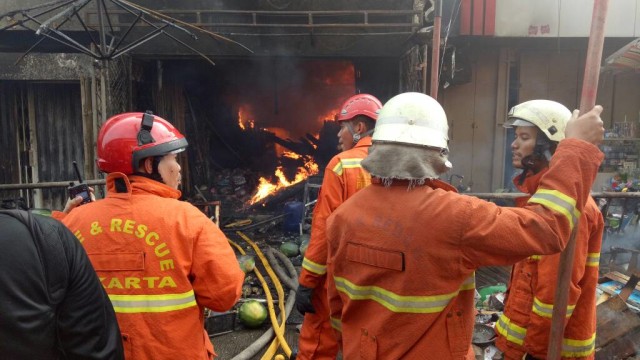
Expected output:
(412, 118)
(549, 116)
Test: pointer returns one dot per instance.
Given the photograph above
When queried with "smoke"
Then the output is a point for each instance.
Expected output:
(293, 94)
(290, 94)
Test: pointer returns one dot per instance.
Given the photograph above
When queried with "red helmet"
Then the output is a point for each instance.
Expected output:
(127, 138)
(361, 104)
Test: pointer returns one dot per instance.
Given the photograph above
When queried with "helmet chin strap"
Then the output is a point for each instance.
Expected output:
(356, 137)
(537, 160)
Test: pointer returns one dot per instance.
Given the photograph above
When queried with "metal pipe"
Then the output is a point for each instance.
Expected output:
(103, 41)
(435, 54)
(424, 68)
(587, 102)
(48, 185)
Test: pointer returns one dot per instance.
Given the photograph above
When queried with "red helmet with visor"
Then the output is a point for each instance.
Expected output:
(361, 104)
(127, 138)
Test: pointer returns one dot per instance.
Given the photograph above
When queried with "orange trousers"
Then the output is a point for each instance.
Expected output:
(317, 338)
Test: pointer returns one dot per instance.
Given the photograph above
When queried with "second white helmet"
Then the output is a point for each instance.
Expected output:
(549, 116)
(412, 118)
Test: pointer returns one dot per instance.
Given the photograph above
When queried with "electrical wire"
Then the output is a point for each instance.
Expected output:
(446, 38)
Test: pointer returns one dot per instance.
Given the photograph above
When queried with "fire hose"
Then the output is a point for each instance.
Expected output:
(277, 328)
(260, 343)
(254, 348)
(292, 283)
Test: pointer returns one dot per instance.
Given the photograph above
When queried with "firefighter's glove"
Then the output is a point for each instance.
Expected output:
(303, 300)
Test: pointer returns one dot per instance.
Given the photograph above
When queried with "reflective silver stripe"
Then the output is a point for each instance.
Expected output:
(593, 259)
(511, 332)
(336, 324)
(393, 301)
(314, 267)
(469, 283)
(546, 310)
(346, 164)
(570, 347)
(152, 303)
(578, 348)
(558, 202)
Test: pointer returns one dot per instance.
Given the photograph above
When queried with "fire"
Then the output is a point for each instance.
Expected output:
(266, 188)
(329, 115)
(311, 167)
(291, 155)
(242, 122)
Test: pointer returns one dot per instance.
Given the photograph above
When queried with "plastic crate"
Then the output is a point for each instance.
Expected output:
(220, 323)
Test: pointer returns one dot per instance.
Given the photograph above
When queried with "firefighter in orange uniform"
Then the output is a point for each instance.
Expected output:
(342, 178)
(524, 327)
(402, 252)
(161, 260)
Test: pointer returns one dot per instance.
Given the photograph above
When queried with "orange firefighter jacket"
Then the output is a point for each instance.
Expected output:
(401, 262)
(526, 322)
(161, 261)
(343, 177)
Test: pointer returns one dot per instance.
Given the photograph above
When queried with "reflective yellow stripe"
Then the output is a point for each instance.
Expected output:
(546, 310)
(535, 257)
(336, 324)
(558, 202)
(152, 303)
(346, 164)
(400, 303)
(570, 347)
(469, 283)
(593, 259)
(578, 348)
(314, 267)
(511, 332)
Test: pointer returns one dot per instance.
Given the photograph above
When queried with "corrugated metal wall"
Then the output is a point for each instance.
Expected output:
(58, 118)
(40, 135)
(9, 165)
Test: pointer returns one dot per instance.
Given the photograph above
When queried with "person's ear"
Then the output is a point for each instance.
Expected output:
(360, 127)
(147, 164)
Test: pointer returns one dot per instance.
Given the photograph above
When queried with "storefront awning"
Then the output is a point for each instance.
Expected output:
(627, 59)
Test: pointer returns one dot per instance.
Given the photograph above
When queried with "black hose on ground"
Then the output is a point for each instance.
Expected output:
(271, 255)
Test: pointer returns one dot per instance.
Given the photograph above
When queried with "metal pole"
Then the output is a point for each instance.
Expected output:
(103, 42)
(435, 54)
(48, 185)
(587, 102)
(424, 68)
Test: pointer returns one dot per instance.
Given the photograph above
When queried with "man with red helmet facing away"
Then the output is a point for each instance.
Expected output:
(161, 260)
(343, 177)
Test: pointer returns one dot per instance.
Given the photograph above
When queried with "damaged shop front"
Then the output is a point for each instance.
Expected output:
(268, 121)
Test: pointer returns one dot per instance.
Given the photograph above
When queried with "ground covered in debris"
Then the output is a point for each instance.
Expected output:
(272, 230)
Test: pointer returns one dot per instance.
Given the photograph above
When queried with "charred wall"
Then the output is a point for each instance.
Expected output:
(232, 113)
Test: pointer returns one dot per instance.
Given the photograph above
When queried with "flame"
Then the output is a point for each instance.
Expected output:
(311, 166)
(266, 188)
(329, 115)
(291, 155)
(243, 120)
